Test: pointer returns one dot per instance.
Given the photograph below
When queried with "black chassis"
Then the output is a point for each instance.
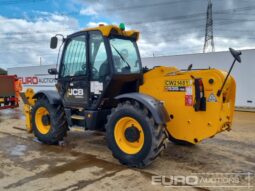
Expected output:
(117, 88)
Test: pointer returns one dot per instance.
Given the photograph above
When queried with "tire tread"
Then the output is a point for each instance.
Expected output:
(159, 134)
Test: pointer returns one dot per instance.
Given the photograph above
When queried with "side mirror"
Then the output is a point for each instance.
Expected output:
(53, 42)
(236, 54)
(52, 71)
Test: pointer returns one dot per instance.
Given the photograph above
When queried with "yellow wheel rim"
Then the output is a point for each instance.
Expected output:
(119, 134)
(40, 113)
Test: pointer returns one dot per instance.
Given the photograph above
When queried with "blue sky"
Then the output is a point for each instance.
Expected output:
(32, 9)
(27, 25)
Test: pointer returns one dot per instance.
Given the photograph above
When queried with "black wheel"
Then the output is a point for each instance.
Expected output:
(48, 122)
(133, 136)
(179, 142)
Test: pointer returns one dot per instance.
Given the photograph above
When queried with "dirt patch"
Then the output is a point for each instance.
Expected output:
(85, 162)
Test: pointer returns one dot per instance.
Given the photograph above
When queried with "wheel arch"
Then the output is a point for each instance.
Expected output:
(52, 96)
(155, 107)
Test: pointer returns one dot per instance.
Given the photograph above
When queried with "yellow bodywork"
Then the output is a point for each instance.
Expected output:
(186, 123)
(106, 30)
(28, 103)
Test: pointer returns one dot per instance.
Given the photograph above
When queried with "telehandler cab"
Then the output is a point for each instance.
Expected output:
(101, 85)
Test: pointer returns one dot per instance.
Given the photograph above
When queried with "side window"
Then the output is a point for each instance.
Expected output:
(98, 57)
(74, 62)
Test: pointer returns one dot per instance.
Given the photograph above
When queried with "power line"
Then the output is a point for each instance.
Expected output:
(142, 6)
(231, 21)
(172, 24)
(191, 15)
(174, 30)
(168, 18)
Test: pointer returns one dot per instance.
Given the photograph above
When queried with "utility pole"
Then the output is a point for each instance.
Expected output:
(209, 42)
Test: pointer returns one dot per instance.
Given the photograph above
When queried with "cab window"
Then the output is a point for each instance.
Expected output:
(74, 61)
(98, 57)
(125, 56)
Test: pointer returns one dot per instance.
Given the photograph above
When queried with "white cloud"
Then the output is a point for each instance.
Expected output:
(92, 9)
(161, 35)
(95, 24)
(148, 49)
(89, 11)
(23, 42)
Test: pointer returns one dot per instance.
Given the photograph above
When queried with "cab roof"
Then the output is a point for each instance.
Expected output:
(107, 30)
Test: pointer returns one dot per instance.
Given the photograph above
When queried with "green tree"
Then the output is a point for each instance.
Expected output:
(3, 72)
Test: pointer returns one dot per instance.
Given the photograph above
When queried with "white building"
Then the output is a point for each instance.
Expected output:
(38, 78)
(35, 77)
(244, 73)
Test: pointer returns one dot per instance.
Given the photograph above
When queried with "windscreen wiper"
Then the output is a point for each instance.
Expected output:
(121, 57)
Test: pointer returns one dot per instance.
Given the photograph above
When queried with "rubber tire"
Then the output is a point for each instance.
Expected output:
(155, 135)
(58, 121)
(178, 141)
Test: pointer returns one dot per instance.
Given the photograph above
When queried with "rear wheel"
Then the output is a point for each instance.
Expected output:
(133, 136)
(48, 122)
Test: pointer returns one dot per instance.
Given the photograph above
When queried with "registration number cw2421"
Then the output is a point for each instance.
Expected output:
(177, 83)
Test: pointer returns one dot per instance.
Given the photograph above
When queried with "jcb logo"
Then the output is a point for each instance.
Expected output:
(75, 92)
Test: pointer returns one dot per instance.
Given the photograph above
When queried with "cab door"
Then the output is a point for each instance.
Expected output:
(99, 67)
(73, 81)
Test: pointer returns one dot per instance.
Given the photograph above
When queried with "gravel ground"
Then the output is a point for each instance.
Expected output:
(85, 163)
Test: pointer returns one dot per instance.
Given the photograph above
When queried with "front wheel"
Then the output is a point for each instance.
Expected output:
(48, 122)
(133, 136)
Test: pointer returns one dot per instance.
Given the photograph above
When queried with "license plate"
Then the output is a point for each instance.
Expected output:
(178, 83)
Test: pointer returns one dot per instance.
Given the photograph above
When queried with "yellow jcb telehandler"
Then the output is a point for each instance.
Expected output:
(101, 85)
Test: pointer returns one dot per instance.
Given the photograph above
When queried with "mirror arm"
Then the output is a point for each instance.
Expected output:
(63, 38)
(220, 90)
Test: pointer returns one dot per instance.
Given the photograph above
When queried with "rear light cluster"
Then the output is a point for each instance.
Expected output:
(200, 100)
